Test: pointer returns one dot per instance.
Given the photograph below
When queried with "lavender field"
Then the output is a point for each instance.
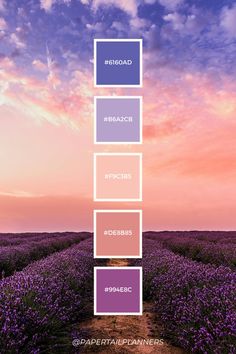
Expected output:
(41, 300)
(17, 251)
(189, 279)
(213, 247)
(195, 301)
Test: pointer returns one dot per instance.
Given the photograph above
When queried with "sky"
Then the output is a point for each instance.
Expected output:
(46, 111)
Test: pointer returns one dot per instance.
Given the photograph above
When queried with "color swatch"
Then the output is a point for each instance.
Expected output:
(117, 177)
(117, 233)
(118, 291)
(118, 62)
(118, 120)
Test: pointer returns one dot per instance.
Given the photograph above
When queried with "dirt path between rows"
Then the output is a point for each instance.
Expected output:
(127, 327)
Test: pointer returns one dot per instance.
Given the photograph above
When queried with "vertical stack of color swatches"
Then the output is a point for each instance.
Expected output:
(118, 177)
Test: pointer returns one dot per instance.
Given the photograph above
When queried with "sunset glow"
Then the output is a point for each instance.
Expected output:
(46, 112)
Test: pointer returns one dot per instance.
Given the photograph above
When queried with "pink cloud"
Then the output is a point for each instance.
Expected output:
(128, 6)
(3, 24)
(47, 4)
(42, 101)
(39, 65)
(228, 23)
(17, 41)
(171, 4)
(2, 5)
(193, 130)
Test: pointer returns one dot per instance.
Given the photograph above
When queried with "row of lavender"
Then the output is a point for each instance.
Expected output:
(10, 239)
(217, 248)
(194, 301)
(39, 301)
(210, 236)
(16, 257)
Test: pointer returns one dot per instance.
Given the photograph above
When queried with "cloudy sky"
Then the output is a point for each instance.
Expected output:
(46, 111)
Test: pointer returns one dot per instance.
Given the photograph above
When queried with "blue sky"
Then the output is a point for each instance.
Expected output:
(198, 35)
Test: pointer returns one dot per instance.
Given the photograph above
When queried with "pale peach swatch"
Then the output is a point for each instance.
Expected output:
(117, 177)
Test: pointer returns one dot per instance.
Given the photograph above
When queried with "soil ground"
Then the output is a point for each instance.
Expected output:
(128, 327)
